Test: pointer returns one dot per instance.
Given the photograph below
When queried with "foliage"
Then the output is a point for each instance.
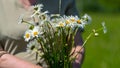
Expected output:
(99, 5)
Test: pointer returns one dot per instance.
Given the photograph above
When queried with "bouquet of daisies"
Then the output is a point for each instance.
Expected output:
(52, 36)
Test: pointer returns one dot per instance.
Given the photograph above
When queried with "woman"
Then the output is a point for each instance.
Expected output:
(11, 33)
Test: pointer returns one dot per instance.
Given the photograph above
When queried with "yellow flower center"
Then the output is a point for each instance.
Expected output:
(27, 35)
(67, 21)
(79, 21)
(43, 17)
(35, 33)
(61, 24)
(72, 19)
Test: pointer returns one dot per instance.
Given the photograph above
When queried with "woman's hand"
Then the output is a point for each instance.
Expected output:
(27, 3)
(78, 54)
(10, 61)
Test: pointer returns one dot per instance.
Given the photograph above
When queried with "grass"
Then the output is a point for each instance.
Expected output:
(103, 51)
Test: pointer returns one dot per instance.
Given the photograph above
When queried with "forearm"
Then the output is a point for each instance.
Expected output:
(10, 61)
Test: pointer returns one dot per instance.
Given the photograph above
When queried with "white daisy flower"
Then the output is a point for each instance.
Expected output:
(104, 27)
(86, 19)
(35, 31)
(72, 19)
(68, 21)
(20, 19)
(33, 46)
(44, 17)
(61, 24)
(37, 9)
(27, 35)
(57, 22)
(81, 25)
(78, 20)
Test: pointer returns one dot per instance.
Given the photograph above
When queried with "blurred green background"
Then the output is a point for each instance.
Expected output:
(102, 51)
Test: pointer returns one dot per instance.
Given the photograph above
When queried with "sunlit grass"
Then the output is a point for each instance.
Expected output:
(103, 51)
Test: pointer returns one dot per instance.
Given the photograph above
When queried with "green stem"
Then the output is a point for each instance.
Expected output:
(27, 23)
(99, 29)
(88, 37)
(86, 40)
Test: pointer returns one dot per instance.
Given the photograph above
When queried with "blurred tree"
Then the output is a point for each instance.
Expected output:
(99, 5)
(110, 5)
